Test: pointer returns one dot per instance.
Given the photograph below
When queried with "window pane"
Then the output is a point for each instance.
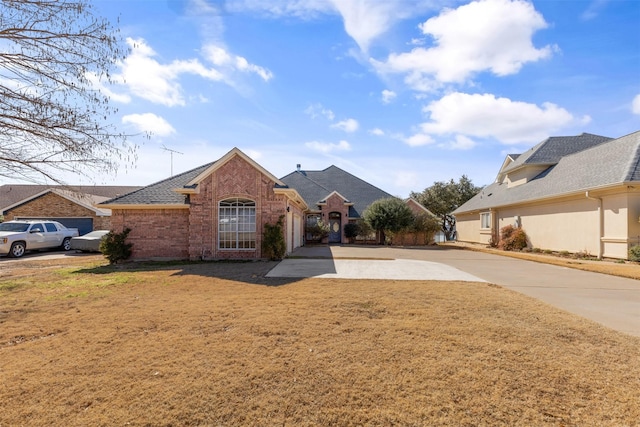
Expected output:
(237, 224)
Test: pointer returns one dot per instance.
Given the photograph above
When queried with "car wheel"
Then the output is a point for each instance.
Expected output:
(17, 250)
(66, 244)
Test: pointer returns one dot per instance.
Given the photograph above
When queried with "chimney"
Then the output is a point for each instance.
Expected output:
(298, 167)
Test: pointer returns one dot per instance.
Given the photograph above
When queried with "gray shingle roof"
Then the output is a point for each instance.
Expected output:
(606, 163)
(315, 186)
(11, 194)
(552, 149)
(161, 192)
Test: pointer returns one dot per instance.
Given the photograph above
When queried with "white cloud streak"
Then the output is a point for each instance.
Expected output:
(328, 147)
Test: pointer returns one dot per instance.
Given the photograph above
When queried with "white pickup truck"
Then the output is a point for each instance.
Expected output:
(17, 237)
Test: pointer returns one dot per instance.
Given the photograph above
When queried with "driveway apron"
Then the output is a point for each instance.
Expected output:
(609, 300)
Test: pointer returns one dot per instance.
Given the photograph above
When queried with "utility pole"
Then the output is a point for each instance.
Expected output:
(171, 151)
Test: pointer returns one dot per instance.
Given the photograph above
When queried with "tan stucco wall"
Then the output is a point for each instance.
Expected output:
(568, 224)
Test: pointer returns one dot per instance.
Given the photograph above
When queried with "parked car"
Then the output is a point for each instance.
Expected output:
(89, 242)
(17, 237)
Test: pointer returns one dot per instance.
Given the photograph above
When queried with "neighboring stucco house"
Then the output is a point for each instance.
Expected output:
(573, 193)
(72, 206)
(218, 210)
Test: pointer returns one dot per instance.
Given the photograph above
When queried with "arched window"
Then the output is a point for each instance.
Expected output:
(237, 224)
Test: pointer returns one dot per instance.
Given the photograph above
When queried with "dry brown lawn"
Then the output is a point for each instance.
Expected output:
(219, 344)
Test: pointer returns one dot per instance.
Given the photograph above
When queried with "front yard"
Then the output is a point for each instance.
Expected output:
(219, 344)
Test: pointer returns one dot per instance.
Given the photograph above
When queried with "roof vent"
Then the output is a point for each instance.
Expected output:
(298, 167)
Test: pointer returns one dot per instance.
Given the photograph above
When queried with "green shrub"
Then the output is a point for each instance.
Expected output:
(536, 250)
(273, 244)
(114, 248)
(317, 231)
(634, 253)
(351, 231)
(512, 238)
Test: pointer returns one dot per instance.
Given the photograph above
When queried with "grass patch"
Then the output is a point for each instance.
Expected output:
(225, 346)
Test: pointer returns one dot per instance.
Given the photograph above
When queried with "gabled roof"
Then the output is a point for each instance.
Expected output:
(224, 159)
(85, 200)
(161, 193)
(315, 186)
(173, 193)
(552, 149)
(12, 194)
(607, 163)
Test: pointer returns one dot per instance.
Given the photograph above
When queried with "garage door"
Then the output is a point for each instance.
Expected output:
(84, 225)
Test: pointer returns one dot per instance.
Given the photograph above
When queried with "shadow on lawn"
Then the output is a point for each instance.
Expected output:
(251, 272)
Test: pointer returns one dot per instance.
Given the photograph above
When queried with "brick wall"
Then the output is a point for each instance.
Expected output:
(155, 233)
(335, 203)
(192, 232)
(52, 205)
(236, 178)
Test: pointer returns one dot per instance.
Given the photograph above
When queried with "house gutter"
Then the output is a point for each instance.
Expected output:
(600, 222)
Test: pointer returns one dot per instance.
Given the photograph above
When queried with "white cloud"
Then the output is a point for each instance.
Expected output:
(419, 139)
(485, 116)
(316, 110)
(364, 20)
(328, 147)
(223, 59)
(348, 125)
(635, 104)
(594, 9)
(376, 132)
(159, 83)
(460, 143)
(484, 35)
(388, 96)
(151, 123)
(304, 9)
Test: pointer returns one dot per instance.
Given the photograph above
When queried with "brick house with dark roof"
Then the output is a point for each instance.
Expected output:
(72, 206)
(571, 193)
(219, 210)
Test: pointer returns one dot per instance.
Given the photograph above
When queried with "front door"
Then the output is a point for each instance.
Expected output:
(335, 227)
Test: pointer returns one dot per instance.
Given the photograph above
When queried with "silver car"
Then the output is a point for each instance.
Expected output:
(17, 237)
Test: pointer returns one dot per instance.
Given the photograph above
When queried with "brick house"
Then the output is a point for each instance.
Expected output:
(219, 210)
(71, 206)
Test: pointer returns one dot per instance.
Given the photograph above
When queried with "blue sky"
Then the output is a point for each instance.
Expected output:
(399, 93)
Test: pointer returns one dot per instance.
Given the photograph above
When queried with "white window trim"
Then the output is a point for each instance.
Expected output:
(484, 215)
(237, 209)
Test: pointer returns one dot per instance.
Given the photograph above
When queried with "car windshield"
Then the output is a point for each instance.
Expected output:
(14, 226)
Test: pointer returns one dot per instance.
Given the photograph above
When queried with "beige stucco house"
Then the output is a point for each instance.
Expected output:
(577, 194)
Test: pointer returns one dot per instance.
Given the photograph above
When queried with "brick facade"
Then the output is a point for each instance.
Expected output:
(52, 205)
(192, 232)
(336, 203)
(155, 233)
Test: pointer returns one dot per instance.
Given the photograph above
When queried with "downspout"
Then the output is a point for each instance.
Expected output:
(600, 222)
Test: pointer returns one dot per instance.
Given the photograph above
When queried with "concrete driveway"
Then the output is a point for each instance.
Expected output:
(609, 300)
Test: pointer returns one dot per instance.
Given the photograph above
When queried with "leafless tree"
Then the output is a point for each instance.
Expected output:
(54, 118)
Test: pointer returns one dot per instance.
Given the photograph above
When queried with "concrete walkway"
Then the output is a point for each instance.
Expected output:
(609, 300)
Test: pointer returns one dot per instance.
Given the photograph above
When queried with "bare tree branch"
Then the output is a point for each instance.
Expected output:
(53, 119)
